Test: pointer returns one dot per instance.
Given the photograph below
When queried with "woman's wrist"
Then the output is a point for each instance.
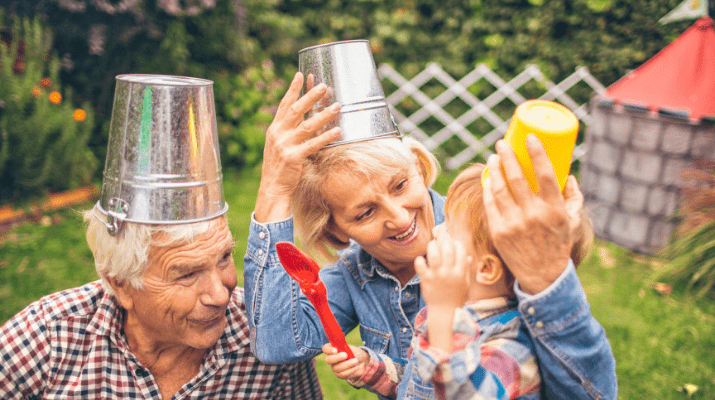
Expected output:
(271, 208)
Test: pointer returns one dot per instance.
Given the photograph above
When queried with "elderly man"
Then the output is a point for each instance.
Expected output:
(166, 320)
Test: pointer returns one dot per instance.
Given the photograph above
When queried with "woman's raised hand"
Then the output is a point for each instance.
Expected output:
(531, 231)
(290, 139)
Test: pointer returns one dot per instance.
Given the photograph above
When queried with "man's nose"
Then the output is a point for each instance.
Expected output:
(216, 290)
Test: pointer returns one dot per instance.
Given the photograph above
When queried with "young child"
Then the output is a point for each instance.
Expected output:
(470, 342)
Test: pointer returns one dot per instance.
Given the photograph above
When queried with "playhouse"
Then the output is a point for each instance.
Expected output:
(646, 129)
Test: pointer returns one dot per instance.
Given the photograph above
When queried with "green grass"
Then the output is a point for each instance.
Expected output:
(661, 342)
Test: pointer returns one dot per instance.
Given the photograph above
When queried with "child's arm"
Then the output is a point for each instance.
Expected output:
(495, 362)
(444, 286)
(460, 358)
(375, 372)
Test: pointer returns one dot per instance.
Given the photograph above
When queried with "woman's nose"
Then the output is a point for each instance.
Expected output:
(398, 217)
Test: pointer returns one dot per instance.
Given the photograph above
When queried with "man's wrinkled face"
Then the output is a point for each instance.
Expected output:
(186, 290)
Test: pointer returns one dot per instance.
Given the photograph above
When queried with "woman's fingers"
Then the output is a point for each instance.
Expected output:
(292, 94)
(543, 169)
(498, 190)
(574, 203)
(517, 185)
(297, 110)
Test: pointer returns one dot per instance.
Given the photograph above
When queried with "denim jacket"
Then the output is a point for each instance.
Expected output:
(574, 354)
(363, 293)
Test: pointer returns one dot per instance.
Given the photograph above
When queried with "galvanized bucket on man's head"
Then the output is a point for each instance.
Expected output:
(163, 164)
(348, 69)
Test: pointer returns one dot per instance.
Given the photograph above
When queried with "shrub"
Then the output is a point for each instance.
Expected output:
(43, 137)
(245, 105)
(693, 248)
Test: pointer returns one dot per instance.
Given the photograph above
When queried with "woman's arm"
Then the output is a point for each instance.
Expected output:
(284, 325)
(574, 354)
(533, 233)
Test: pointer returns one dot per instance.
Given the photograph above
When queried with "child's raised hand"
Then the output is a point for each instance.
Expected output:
(346, 369)
(445, 282)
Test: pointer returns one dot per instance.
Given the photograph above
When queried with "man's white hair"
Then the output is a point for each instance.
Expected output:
(124, 257)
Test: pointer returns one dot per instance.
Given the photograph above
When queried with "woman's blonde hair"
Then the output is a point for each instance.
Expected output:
(370, 158)
(124, 257)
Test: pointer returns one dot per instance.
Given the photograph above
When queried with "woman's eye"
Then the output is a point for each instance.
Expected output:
(365, 214)
(226, 257)
(401, 185)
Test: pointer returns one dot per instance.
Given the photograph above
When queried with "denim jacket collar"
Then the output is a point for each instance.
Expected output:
(368, 267)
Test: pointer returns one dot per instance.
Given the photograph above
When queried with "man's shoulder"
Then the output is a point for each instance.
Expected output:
(74, 302)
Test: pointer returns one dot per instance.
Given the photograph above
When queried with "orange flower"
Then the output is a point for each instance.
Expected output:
(55, 97)
(46, 81)
(376, 47)
(36, 92)
(79, 115)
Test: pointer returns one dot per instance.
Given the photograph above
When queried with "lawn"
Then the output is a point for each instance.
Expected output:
(663, 343)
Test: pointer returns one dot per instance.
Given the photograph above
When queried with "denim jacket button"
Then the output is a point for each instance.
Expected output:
(539, 324)
(260, 252)
(404, 330)
(262, 235)
(531, 311)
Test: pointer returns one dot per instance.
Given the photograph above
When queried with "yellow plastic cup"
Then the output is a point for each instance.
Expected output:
(555, 125)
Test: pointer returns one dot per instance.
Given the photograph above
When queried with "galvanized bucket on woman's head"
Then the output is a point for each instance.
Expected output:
(349, 71)
(163, 164)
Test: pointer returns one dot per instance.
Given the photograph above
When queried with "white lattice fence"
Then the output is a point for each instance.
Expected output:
(478, 142)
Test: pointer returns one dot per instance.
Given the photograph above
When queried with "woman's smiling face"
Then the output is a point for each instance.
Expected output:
(390, 217)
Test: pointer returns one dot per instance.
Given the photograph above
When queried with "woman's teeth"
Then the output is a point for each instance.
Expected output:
(409, 231)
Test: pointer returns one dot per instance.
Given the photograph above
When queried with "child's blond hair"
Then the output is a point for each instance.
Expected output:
(465, 197)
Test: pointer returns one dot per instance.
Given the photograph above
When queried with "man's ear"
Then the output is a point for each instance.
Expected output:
(121, 291)
(489, 270)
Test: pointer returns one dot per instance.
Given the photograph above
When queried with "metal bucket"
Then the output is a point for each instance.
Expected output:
(349, 71)
(163, 164)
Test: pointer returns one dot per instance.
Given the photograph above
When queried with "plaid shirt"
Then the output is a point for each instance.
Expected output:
(70, 345)
(492, 358)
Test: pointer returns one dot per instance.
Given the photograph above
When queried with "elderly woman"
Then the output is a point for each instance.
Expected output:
(165, 321)
(372, 201)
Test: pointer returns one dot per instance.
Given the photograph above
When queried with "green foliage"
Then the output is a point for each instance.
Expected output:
(693, 248)
(98, 40)
(42, 148)
(245, 105)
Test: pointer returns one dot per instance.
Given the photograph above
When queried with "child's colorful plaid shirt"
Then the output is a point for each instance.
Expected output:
(492, 358)
(70, 345)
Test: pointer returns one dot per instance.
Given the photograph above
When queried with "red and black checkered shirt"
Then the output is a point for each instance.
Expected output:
(70, 345)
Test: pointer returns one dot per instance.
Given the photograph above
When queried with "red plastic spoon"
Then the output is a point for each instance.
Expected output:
(305, 271)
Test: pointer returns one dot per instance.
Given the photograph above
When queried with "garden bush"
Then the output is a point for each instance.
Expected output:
(693, 248)
(43, 136)
(224, 39)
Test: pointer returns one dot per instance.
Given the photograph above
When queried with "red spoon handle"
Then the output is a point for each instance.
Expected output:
(331, 326)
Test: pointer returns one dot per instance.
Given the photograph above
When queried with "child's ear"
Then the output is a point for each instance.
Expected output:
(489, 270)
